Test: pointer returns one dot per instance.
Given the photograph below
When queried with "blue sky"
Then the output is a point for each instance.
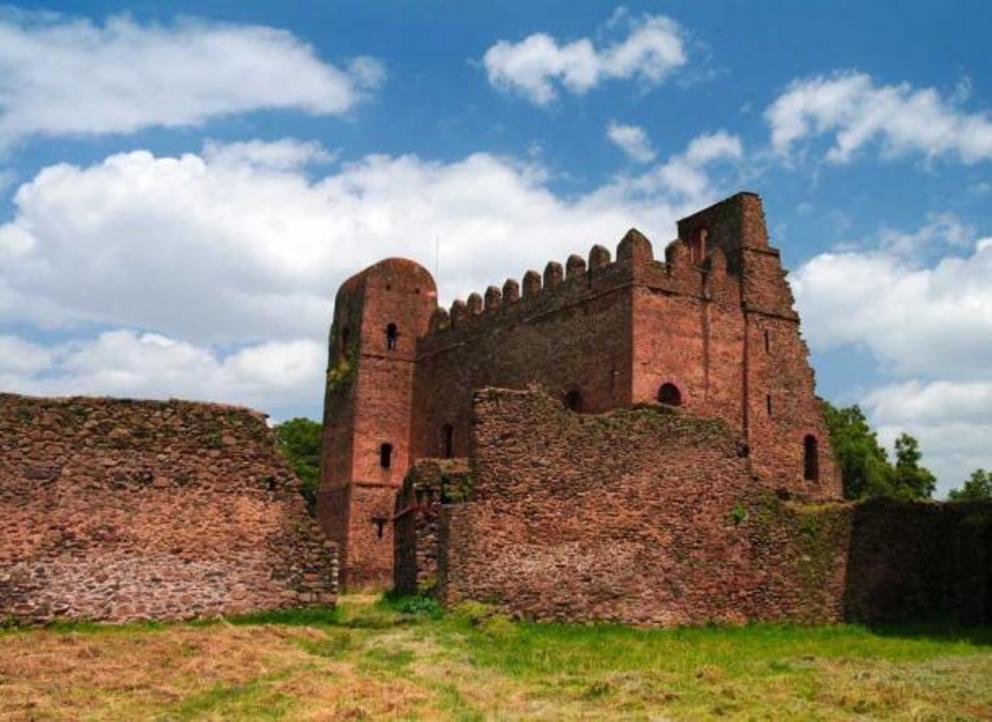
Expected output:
(184, 185)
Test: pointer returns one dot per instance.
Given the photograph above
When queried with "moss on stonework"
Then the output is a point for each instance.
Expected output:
(815, 530)
(340, 374)
(456, 488)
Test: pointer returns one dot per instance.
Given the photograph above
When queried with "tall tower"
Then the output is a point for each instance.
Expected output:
(378, 315)
(780, 416)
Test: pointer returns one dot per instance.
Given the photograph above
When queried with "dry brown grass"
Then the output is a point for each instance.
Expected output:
(371, 662)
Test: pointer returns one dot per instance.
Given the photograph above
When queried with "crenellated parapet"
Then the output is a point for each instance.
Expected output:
(582, 278)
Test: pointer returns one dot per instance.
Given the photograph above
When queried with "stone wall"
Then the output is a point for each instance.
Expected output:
(643, 515)
(429, 485)
(651, 516)
(909, 561)
(713, 318)
(121, 510)
(378, 315)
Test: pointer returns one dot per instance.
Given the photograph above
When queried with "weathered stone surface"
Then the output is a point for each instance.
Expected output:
(118, 510)
(714, 321)
(650, 516)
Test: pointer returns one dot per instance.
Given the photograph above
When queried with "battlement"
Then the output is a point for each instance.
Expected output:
(580, 280)
(704, 322)
(709, 245)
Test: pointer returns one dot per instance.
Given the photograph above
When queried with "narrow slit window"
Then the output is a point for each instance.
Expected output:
(448, 441)
(380, 526)
(392, 335)
(768, 403)
(768, 341)
(811, 458)
(386, 456)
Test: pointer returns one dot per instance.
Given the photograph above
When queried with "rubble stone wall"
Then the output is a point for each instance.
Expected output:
(120, 510)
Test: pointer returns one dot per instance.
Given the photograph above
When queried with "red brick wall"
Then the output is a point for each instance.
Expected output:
(429, 484)
(369, 404)
(571, 337)
(609, 332)
(920, 560)
(627, 516)
(644, 517)
(119, 510)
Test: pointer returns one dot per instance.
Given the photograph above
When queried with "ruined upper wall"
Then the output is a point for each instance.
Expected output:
(638, 515)
(119, 510)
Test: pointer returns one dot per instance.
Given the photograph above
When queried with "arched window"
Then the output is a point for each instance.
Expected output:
(385, 455)
(448, 441)
(392, 334)
(669, 394)
(573, 400)
(811, 458)
(380, 525)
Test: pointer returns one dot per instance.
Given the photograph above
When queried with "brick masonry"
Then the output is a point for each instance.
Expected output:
(122, 510)
(714, 320)
(649, 516)
(642, 515)
(429, 485)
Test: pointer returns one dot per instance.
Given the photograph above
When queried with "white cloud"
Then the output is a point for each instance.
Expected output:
(930, 325)
(952, 420)
(538, 63)
(62, 76)
(632, 140)
(20, 356)
(935, 320)
(855, 112)
(687, 171)
(146, 365)
(239, 244)
(284, 154)
(941, 231)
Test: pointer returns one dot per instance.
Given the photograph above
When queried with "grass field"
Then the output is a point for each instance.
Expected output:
(379, 659)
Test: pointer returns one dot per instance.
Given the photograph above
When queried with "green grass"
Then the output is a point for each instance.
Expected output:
(402, 658)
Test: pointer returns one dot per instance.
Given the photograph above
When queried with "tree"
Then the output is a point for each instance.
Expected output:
(299, 441)
(912, 481)
(979, 486)
(864, 465)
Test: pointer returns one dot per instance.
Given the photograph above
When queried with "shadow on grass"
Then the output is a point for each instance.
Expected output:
(935, 631)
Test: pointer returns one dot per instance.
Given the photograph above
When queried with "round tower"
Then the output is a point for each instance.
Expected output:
(378, 316)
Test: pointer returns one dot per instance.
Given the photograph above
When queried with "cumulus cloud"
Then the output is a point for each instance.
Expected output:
(242, 246)
(952, 420)
(632, 140)
(688, 171)
(855, 112)
(240, 243)
(930, 326)
(538, 65)
(20, 356)
(916, 320)
(63, 76)
(146, 365)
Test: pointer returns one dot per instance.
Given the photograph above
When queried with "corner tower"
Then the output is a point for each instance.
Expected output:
(780, 416)
(378, 315)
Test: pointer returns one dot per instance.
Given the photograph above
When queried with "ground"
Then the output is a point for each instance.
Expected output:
(402, 659)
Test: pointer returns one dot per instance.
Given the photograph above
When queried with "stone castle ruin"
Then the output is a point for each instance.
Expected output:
(629, 438)
(632, 438)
